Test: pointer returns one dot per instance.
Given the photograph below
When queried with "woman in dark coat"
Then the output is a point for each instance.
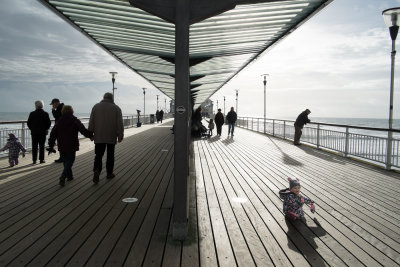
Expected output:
(66, 132)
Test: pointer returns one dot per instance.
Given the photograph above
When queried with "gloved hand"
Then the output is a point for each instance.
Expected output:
(23, 154)
(312, 208)
(51, 150)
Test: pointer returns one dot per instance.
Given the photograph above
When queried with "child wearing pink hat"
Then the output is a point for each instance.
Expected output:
(293, 202)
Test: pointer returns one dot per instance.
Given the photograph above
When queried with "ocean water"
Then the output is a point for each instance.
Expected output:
(372, 122)
(23, 116)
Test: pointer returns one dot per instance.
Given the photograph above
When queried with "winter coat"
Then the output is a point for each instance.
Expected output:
(66, 132)
(292, 203)
(231, 117)
(57, 112)
(14, 147)
(39, 122)
(219, 119)
(106, 122)
(302, 119)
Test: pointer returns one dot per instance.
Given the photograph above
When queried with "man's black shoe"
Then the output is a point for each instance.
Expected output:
(62, 181)
(58, 161)
(96, 176)
(110, 175)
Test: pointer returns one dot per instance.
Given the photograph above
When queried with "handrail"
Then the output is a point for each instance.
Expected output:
(23, 132)
(339, 138)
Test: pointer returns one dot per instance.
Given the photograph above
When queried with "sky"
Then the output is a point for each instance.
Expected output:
(337, 64)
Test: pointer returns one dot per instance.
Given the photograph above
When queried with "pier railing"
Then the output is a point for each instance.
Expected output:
(366, 143)
(22, 132)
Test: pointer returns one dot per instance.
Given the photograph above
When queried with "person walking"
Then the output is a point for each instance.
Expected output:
(301, 120)
(65, 131)
(231, 117)
(39, 124)
(107, 126)
(161, 115)
(158, 116)
(56, 111)
(219, 121)
(13, 146)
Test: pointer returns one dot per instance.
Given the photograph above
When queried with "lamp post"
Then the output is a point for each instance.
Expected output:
(217, 105)
(165, 105)
(237, 96)
(144, 103)
(113, 74)
(265, 97)
(157, 101)
(224, 105)
(390, 17)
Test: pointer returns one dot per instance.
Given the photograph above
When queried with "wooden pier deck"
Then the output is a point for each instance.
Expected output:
(235, 211)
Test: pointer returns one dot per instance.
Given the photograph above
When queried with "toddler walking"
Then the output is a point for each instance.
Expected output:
(293, 202)
(210, 126)
(14, 147)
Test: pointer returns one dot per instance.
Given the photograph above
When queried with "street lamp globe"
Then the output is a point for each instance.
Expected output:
(391, 18)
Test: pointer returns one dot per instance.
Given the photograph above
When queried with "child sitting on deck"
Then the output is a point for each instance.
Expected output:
(210, 126)
(14, 147)
(293, 202)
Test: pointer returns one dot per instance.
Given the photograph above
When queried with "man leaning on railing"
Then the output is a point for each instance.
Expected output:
(301, 120)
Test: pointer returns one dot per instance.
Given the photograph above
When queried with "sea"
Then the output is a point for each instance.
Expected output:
(365, 122)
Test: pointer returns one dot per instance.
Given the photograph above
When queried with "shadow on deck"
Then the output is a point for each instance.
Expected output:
(235, 211)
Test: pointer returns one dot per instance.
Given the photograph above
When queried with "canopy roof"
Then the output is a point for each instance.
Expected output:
(220, 46)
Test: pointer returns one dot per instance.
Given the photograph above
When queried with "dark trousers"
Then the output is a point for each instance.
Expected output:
(219, 129)
(99, 150)
(68, 161)
(38, 140)
(297, 134)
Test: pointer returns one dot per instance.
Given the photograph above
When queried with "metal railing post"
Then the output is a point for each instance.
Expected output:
(318, 135)
(252, 124)
(258, 124)
(273, 127)
(284, 129)
(23, 135)
(247, 123)
(389, 150)
(347, 143)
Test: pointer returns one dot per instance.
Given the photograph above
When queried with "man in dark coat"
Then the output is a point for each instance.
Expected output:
(66, 132)
(219, 121)
(161, 115)
(39, 124)
(158, 116)
(231, 117)
(57, 107)
(301, 120)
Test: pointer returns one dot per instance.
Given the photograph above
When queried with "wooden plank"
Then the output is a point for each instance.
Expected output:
(247, 252)
(222, 241)
(365, 235)
(208, 254)
(93, 225)
(190, 247)
(156, 249)
(366, 245)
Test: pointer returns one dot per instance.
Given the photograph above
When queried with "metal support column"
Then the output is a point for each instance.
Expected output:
(181, 149)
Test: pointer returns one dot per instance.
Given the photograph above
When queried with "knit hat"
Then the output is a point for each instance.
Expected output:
(11, 136)
(293, 182)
